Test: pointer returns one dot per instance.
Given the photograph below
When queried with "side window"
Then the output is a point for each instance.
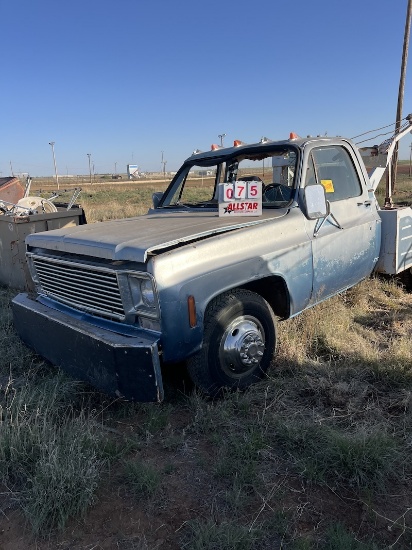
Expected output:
(333, 168)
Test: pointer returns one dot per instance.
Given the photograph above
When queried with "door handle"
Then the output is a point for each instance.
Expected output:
(365, 203)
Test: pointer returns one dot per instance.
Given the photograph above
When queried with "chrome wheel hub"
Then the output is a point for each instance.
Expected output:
(242, 346)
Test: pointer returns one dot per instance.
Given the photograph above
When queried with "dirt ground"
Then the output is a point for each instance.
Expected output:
(118, 521)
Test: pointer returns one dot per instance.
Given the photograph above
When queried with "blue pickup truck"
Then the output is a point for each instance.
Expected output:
(243, 237)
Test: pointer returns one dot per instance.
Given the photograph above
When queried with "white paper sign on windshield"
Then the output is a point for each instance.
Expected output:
(241, 198)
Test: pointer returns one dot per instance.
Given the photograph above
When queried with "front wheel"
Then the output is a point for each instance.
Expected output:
(238, 345)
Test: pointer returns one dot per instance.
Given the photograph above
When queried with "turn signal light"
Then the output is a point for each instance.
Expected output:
(237, 143)
(292, 135)
(215, 146)
(191, 306)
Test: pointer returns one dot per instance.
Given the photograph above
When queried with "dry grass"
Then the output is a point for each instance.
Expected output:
(108, 201)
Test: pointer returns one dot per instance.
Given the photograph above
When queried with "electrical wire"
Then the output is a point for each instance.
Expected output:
(391, 133)
(377, 129)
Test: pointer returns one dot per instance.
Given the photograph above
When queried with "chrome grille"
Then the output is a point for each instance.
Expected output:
(88, 288)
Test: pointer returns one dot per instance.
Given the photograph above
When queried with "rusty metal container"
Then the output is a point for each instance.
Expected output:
(13, 231)
(11, 189)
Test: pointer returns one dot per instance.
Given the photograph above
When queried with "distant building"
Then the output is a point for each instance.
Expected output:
(133, 172)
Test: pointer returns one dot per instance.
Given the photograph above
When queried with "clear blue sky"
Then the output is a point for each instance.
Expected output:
(124, 80)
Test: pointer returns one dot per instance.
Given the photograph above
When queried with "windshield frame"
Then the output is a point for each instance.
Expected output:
(222, 162)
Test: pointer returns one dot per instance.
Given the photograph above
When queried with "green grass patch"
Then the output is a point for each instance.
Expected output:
(238, 454)
(64, 477)
(142, 478)
(228, 535)
(339, 538)
(48, 452)
(360, 460)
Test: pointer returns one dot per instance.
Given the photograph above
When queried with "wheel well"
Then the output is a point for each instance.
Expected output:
(274, 290)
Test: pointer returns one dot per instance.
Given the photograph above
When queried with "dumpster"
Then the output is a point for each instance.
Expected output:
(13, 231)
(11, 189)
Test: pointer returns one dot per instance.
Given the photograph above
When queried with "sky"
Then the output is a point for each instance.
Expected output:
(132, 82)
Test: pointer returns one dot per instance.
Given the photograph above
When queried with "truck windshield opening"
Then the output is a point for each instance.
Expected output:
(196, 184)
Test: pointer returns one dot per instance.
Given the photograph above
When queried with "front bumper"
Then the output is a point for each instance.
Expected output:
(126, 366)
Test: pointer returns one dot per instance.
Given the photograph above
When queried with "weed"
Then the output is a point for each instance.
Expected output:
(29, 414)
(46, 453)
(64, 479)
(338, 538)
(112, 449)
(156, 418)
(142, 478)
(169, 469)
(212, 416)
(302, 544)
(133, 543)
(173, 442)
(208, 535)
(238, 455)
(323, 454)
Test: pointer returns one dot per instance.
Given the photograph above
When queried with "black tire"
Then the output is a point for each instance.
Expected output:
(405, 278)
(238, 343)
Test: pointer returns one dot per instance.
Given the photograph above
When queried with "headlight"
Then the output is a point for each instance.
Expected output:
(148, 296)
(32, 269)
(142, 297)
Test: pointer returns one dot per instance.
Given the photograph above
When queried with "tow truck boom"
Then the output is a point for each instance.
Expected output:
(383, 153)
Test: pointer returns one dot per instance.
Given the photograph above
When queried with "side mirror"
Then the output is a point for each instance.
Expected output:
(156, 198)
(315, 203)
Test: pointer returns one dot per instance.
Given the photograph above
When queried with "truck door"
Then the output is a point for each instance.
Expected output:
(346, 244)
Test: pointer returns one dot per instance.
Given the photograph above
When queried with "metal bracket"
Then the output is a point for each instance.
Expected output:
(323, 220)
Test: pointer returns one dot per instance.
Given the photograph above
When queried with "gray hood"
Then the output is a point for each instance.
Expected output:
(134, 239)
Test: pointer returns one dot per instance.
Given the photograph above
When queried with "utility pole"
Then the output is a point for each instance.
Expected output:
(11, 170)
(401, 87)
(164, 162)
(221, 136)
(54, 162)
(90, 168)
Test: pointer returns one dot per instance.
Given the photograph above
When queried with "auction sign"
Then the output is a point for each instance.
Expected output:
(240, 198)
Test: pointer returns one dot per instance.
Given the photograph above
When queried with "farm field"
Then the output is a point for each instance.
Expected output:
(315, 457)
